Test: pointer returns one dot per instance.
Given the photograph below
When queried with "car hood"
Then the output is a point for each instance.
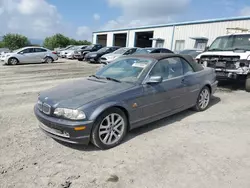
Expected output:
(242, 55)
(78, 93)
(111, 55)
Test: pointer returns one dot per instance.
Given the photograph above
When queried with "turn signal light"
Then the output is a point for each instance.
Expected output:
(80, 128)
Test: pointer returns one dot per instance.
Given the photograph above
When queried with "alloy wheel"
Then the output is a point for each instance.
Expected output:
(204, 99)
(111, 129)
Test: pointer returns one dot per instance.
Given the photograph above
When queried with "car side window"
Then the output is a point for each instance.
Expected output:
(129, 52)
(157, 51)
(168, 68)
(28, 50)
(40, 50)
(166, 51)
(187, 69)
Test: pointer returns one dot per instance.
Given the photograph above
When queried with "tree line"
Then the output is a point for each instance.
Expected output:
(16, 41)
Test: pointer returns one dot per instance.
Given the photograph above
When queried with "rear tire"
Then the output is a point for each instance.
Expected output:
(49, 60)
(203, 100)
(13, 61)
(248, 83)
(109, 129)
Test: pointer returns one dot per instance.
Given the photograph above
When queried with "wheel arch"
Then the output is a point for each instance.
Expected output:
(13, 57)
(48, 56)
(101, 109)
(209, 87)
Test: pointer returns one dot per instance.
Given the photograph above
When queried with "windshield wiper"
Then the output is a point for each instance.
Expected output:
(113, 79)
(216, 49)
(97, 77)
(236, 49)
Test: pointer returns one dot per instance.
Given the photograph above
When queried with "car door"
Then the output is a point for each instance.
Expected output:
(39, 54)
(167, 96)
(191, 83)
(26, 55)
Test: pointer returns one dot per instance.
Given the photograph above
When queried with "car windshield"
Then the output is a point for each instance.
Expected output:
(143, 51)
(89, 47)
(126, 70)
(121, 51)
(231, 42)
(103, 50)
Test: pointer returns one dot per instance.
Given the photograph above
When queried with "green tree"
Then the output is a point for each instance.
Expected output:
(1, 44)
(55, 41)
(15, 41)
(59, 40)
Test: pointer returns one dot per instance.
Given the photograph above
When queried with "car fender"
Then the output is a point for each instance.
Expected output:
(100, 109)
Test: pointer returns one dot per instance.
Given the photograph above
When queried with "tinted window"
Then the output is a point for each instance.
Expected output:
(166, 51)
(168, 68)
(28, 50)
(156, 51)
(40, 50)
(186, 67)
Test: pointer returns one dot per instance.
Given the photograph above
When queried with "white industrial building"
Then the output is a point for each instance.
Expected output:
(174, 36)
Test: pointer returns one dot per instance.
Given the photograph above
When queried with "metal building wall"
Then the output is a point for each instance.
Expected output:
(180, 32)
(209, 30)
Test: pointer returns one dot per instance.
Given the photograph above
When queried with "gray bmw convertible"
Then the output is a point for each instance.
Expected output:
(126, 94)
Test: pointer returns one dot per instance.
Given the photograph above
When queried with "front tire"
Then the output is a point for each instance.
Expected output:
(109, 129)
(248, 83)
(13, 61)
(203, 100)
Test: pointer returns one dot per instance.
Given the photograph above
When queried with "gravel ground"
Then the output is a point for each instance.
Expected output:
(208, 149)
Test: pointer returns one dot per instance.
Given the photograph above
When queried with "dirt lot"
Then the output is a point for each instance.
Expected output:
(198, 150)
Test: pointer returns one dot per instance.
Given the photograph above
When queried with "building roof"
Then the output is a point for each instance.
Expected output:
(179, 24)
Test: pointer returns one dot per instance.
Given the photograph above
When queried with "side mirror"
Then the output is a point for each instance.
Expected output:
(207, 47)
(21, 52)
(154, 80)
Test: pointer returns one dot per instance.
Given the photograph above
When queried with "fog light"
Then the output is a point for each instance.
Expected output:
(66, 133)
(242, 65)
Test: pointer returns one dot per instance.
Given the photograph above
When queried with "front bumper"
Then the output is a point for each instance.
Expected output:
(214, 87)
(226, 74)
(63, 130)
(70, 56)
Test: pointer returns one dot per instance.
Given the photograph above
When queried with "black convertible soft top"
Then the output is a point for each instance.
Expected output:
(159, 56)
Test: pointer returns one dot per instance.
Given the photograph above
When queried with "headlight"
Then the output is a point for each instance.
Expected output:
(70, 113)
(111, 57)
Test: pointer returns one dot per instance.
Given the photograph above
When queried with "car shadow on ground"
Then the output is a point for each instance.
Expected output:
(22, 64)
(146, 128)
(231, 85)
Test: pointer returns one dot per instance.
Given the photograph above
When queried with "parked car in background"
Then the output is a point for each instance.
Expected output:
(64, 53)
(105, 59)
(192, 52)
(30, 55)
(126, 94)
(80, 54)
(229, 55)
(59, 50)
(70, 53)
(96, 56)
(152, 50)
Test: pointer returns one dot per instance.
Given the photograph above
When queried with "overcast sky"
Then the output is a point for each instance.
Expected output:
(78, 18)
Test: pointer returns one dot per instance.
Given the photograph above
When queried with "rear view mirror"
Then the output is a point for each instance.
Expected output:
(154, 80)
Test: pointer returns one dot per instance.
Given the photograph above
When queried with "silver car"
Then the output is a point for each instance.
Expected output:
(29, 55)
